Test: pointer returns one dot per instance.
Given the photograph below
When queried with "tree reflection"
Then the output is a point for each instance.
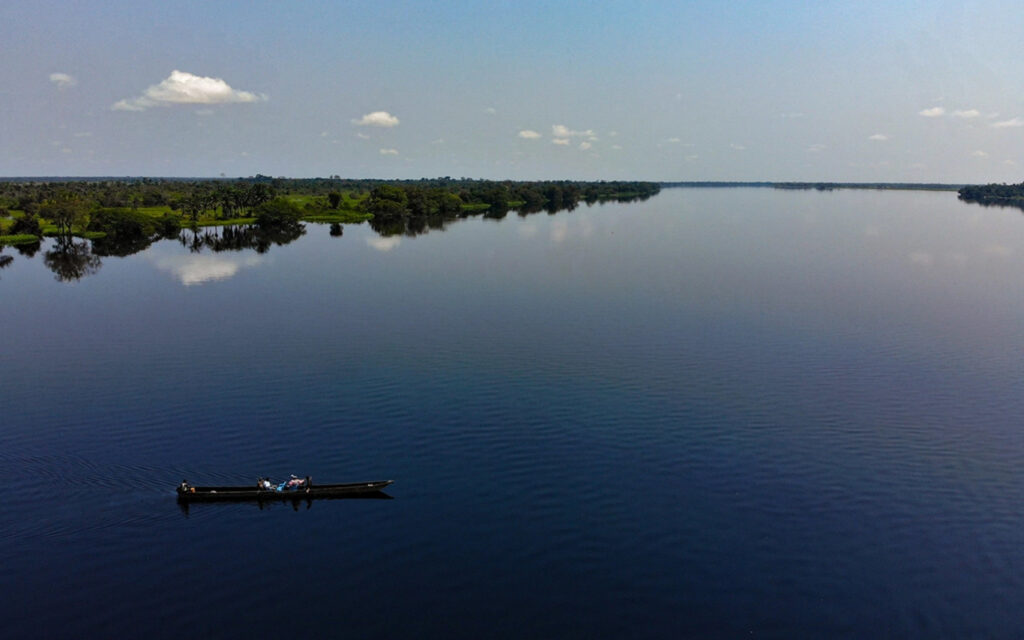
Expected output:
(28, 250)
(496, 213)
(237, 238)
(403, 223)
(71, 260)
(120, 246)
(529, 209)
(393, 218)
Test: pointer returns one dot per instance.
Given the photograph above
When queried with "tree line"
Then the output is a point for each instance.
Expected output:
(241, 195)
(94, 218)
(1004, 195)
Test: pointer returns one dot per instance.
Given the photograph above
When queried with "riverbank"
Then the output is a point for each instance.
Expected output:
(95, 209)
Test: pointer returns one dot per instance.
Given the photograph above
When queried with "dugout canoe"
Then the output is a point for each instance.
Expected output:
(189, 493)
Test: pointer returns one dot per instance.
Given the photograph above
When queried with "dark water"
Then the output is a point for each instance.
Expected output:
(718, 413)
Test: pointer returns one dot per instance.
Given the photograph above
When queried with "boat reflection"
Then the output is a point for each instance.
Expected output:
(295, 502)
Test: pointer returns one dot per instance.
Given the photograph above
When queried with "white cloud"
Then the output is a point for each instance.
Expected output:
(1012, 122)
(562, 141)
(490, 111)
(83, 134)
(738, 147)
(585, 145)
(377, 119)
(529, 134)
(616, 146)
(185, 88)
(815, 148)
(878, 137)
(673, 140)
(979, 154)
(966, 113)
(933, 112)
(63, 80)
(389, 152)
(562, 131)
(362, 136)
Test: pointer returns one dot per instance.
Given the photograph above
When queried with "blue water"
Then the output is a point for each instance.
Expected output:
(717, 413)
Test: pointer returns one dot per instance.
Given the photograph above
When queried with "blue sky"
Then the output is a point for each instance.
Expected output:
(846, 91)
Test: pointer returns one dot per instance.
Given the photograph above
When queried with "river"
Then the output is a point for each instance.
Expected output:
(715, 413)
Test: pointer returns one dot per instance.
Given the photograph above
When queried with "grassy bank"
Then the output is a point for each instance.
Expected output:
(20, 238)
(342, 217)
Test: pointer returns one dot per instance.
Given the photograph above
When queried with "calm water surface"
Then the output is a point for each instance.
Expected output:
(717, 413)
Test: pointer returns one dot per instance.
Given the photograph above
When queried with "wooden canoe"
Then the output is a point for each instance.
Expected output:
(188, 493)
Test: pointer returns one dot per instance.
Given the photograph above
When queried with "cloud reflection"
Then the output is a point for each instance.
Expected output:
(197, 269)
(999, 250)
(559, 232)
(384, 244)
(527, 230)
(922, 258)
(564, 230)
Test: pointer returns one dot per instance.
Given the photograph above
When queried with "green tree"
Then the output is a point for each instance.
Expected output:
(279, 212)
(66, 211)
(387, 203)
(28, 224)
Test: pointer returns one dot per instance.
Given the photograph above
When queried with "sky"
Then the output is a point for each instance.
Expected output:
(774, 90)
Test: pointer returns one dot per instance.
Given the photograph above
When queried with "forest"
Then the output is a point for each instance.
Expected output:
(1001, 195)
(93, 218)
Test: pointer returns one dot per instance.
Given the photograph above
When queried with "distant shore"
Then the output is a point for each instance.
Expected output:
(821, 186)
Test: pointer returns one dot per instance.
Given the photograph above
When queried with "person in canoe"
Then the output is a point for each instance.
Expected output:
(293, 484)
